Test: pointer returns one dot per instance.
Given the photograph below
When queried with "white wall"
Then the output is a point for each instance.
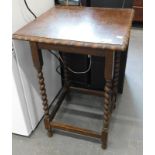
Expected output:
(20, 14)
(27, 73)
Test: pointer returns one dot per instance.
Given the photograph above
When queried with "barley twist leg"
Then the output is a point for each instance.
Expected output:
(108, 76)
(115, 79)
(38, 64)
(44, 102)
(107, 101)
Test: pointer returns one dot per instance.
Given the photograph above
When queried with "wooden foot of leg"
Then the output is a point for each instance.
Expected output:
(104, 139)
(50, 133)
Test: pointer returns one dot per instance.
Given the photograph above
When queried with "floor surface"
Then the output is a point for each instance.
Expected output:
(126, 127)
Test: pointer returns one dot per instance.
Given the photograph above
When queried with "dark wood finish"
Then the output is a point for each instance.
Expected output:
(88, 91)
(108, 71)
(137, 2)
(36, 56)
(72, 49)
(108, 74)
(115, 79)
(100, 32)
(138, 13)
(107, 102)
(122, 70)
(115, 4)
(138, 7)
(86, 51)
(111, 4)
(78, 130)
(59, 26)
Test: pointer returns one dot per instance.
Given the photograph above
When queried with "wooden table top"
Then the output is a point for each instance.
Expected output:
(102, 28)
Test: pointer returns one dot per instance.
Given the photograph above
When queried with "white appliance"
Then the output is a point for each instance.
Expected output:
(27, 104)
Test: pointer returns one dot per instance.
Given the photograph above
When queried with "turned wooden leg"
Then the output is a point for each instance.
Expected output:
(123, 61)
(107, 101)
(107, 96)
(49, 133)
(115, 79)
(45, 103)
(38, 64)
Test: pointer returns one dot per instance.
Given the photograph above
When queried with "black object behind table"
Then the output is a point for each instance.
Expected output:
(111, 3)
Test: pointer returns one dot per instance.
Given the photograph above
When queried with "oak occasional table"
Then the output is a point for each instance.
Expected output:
(102, 32)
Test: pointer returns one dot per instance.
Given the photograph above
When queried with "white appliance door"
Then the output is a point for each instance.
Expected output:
(21, 121)
(27, 73)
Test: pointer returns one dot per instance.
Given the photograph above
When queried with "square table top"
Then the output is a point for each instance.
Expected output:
(102, 28)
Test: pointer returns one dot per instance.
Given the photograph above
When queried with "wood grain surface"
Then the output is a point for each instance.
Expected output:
(103, 28)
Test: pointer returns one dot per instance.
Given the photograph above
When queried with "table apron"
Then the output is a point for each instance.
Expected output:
(73, 49)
